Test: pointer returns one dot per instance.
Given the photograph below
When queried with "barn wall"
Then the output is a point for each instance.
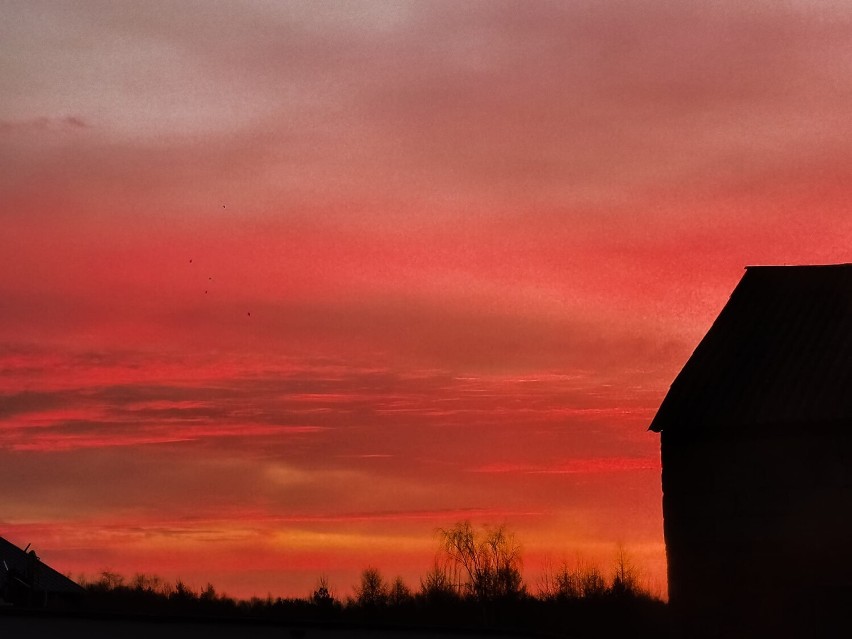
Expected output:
(759, 529)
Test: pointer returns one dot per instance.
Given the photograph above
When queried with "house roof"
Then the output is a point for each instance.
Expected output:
(779, 353)
(14, 560)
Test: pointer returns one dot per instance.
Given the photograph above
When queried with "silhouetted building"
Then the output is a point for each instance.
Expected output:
(26, 581)
(756, 440)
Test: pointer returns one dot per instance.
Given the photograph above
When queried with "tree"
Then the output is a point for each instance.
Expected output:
(437, 585)
(208, 593)
(110, 580)
(624, 579)
(561, 583)
(147, 583)
(182, 592)
(399, 593)
(321, 596)
(372, 592)
(592, 582)
(581, 581)
(486, 564)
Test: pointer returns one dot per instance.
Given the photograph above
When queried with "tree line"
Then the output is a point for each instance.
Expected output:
(475, 581)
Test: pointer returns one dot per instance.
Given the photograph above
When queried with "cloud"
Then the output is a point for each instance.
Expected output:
(44, 123)
(294, 403)
(576, 466)
(438, 110)
(314, 441)
(29, 401)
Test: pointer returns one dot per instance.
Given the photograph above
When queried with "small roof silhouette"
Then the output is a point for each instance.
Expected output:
(779, 355)
(15, 561)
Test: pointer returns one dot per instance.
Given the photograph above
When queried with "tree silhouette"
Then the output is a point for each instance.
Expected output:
(321, 596)
(437, 586)
(482, 589)
(624, 580)
(399, 593)
(486, 564)
(372, 592)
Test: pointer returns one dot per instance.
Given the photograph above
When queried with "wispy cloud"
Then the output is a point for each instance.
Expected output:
(575, 466)
(44, 123)
(298, 402)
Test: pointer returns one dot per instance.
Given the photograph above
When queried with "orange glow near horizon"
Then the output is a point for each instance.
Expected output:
(284, 289)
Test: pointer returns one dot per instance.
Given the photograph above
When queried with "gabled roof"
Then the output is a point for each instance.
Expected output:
(780, 353)
(14, 561)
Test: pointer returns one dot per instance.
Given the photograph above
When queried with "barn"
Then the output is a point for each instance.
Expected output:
(26, 581)
(756, 446)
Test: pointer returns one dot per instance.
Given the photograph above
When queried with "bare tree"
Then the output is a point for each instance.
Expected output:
(592, 582)
(581, 581)
(399, 593)
(372, 591)
(486, 564)
(110, 580)
(624, 579)
(438, 585)
(561, 583)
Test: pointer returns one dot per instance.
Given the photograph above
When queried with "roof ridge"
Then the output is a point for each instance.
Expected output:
(798, 266)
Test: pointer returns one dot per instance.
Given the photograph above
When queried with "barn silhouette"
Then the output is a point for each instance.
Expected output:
(756, 443)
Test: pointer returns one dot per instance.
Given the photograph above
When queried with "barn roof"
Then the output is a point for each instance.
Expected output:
(14, 562)
(780, 353)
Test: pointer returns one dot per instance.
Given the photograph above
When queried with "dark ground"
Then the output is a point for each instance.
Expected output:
(19, 624)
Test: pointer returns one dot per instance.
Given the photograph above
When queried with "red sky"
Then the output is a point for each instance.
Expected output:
(284, 287)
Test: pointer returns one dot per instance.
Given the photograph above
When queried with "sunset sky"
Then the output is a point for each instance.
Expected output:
(285, 286)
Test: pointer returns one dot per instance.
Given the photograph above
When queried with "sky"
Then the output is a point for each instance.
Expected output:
(285, 287)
